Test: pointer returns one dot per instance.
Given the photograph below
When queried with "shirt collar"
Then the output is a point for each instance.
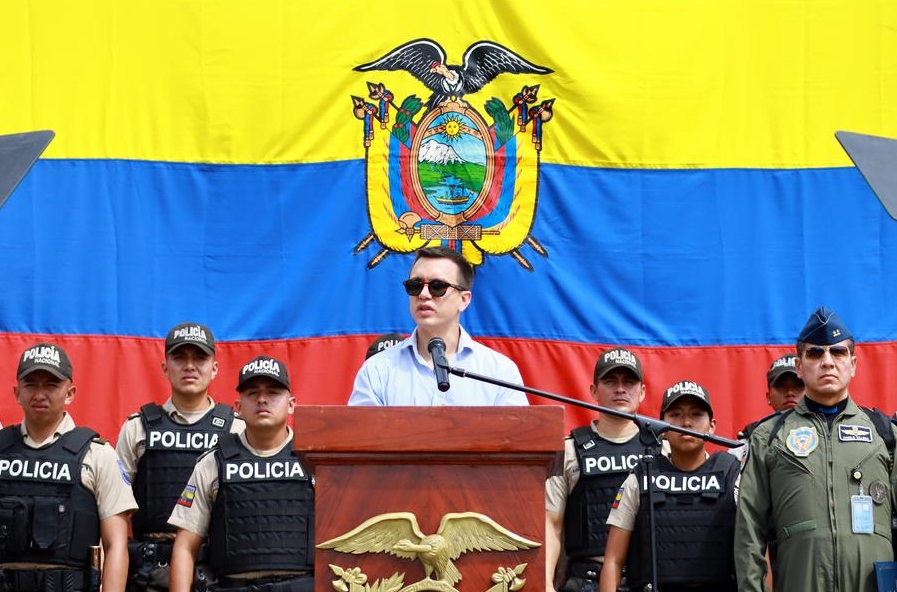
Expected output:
(67, 424)
(465, 342)
(181, 417)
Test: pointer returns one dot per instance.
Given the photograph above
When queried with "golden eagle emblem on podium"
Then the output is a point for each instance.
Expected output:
(399, 534)
(436, 171)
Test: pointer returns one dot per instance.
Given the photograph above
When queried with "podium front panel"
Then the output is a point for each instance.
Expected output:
(474, 475)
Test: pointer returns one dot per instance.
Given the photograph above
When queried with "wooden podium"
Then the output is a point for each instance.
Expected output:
(430, 461)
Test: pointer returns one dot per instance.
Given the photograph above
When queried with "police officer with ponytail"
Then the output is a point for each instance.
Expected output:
(62, 490)
(159, 446)
(694, 508)
(251, 496)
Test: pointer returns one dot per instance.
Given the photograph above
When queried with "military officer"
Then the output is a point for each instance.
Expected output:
(822, 473)
(159, 446)
(62, 489)
(251, 496)
(597, 458)
(694, 508)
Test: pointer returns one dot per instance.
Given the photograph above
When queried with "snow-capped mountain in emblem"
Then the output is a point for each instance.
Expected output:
(437, 153)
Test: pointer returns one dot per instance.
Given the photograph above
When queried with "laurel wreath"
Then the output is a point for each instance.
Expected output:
(504, 125)
(410, 107)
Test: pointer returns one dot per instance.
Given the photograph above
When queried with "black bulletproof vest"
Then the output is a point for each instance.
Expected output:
(263, 517)
(46, 514)
(694, 518)
(603, 466)
(168, 461)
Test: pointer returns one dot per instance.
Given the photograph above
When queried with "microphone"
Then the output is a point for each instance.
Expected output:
(436, 347)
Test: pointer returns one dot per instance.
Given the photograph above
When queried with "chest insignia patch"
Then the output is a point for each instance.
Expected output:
(854, 433)
(802, 441)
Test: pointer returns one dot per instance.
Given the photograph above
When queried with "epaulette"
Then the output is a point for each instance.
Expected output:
(134, 415)
(100, 440)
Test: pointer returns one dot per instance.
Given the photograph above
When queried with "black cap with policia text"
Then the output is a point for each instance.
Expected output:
(617, 357)
(263, 367)
(685, 388)
(190, 334)
(780, 366)
(45, 356)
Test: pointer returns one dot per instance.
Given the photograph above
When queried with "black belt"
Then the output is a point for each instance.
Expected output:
(156, 552)
(587, 570)
(305, 583)
(38, 580)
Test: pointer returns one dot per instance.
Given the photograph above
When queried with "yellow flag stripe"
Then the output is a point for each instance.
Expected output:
(641, 83)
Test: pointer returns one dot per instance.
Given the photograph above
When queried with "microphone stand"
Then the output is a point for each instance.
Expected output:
(654, 426)
(650, 430)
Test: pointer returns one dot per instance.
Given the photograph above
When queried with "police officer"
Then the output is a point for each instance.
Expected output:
(597, 458)
(383, 342)
(822, 472)
(159, 446)
(694, 508)
(251, 496)
(61, 489)
(784, 388)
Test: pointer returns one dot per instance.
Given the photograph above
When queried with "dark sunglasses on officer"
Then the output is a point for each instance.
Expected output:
(437, 287)
(838, 352)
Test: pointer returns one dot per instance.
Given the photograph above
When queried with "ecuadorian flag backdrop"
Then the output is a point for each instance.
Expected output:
(672, 183)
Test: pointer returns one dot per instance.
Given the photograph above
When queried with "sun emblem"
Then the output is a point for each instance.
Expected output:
(451, 129)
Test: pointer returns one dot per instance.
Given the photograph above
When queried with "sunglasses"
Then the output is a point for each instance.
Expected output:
(838, 352)
(415, 286)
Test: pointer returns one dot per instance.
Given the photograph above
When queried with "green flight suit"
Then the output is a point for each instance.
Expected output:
(808, 499)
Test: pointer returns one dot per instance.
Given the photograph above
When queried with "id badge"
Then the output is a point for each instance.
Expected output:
(861, 514)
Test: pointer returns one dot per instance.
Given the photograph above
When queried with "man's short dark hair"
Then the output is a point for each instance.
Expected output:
(464, 266)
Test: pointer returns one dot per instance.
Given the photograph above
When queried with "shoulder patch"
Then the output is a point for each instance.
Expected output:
(617, 498)
(187, 496)
(123, 472)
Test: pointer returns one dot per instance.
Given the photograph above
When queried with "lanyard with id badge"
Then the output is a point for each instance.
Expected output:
(861, 505)
(861, 521)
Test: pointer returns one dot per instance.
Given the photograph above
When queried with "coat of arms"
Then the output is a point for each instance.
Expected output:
(437, 172)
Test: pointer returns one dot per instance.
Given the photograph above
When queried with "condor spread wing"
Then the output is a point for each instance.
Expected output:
(415, 57)
(485, 60)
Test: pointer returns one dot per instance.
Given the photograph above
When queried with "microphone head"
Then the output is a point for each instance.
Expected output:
(434, 343)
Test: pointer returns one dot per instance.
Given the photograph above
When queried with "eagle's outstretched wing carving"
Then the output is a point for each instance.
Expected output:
(379, 535)
(470, 531)
(399, 534)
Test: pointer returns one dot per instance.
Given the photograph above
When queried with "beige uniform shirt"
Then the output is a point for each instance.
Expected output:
(101, 474)
(132, 438)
